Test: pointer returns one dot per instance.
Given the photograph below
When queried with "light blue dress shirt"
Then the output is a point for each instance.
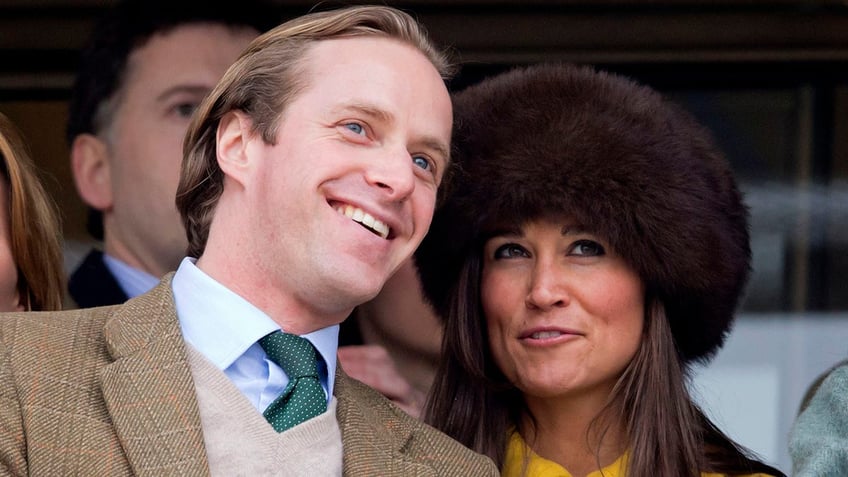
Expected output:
(226, 329)
(133, 281)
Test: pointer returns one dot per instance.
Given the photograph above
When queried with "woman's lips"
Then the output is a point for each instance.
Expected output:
(547, 333)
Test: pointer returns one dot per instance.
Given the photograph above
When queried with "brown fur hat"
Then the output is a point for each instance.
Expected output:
(617, 157)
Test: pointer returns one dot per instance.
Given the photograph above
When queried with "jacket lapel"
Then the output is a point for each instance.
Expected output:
(148, 388)
(374, 438)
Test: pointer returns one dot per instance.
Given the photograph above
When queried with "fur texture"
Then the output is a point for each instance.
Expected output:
(628, 165)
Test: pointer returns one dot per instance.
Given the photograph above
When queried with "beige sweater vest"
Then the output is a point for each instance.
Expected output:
(239, 441)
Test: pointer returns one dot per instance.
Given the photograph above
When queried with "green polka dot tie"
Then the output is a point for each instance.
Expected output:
(304, 397)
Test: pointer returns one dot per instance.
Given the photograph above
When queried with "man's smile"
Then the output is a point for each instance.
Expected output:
(365, 219)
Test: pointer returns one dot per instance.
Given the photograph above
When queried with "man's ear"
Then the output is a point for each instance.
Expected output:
(235, 131)
(90, 163)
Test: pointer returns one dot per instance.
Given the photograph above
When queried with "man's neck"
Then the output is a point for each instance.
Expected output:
(292, 314)
(119, 251)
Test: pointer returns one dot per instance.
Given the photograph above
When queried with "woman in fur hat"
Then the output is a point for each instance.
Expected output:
(592, 246)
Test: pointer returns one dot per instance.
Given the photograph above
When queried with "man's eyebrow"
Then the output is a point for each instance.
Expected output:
(368, 110)
(439, 147)
(200, 90)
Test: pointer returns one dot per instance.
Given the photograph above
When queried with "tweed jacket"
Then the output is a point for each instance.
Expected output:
(108, 391)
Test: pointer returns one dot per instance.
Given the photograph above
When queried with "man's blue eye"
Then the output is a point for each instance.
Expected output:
(356, 128)
(421, 162)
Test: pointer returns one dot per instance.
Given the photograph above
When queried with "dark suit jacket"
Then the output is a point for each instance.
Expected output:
(92, 284)
(108, 391)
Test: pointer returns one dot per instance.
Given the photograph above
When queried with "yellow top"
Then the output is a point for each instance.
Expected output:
(538, 466)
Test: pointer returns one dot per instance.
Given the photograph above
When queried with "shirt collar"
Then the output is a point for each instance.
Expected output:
(222, 325)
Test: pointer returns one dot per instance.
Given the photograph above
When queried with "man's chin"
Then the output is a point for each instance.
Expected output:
(361, 293)
(356, 292)
(358, 279)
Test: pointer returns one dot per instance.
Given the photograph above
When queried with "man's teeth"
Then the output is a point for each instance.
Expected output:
(541, 335)
(358, 215)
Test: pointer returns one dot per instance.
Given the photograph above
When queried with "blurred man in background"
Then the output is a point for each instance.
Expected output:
(145, 69)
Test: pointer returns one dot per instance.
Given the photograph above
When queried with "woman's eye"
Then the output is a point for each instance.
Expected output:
(587, 248)
(510, 250)
(422, 162)
(356, 128)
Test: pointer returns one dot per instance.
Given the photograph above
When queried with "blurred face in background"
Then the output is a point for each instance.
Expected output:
(134, 164)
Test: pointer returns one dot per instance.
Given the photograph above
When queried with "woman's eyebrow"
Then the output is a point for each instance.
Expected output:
(574, 229)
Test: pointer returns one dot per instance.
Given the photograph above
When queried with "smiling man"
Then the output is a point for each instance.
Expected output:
(310, 175)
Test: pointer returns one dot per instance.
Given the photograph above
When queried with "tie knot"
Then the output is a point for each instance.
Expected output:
(294, 354)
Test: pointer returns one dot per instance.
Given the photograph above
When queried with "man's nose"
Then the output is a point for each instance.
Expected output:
(393, 174)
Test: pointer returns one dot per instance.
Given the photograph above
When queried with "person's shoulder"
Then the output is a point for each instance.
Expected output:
(54, 323)
(379, 418)
(53, 333)
(446, 454)
(829, 399)
(840, 370)
(41, 352)
(836, 379)
(818, 442)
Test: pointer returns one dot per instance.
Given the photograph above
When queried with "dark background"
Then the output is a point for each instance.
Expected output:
(768, 77)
